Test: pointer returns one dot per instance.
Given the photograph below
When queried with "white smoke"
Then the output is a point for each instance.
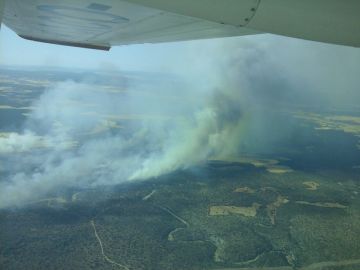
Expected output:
(14, 142)
(83, 136)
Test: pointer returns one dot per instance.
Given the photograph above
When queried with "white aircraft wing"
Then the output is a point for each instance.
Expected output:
(105, 23)
(101, 24)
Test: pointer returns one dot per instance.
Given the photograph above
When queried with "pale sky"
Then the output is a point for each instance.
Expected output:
(20, 52)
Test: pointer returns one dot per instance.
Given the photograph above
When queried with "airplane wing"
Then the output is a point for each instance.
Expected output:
(102, 24)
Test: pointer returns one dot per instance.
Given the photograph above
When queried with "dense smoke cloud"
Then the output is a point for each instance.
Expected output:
(83, 135)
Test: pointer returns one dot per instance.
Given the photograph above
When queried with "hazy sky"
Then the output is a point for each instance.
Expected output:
(17, 51)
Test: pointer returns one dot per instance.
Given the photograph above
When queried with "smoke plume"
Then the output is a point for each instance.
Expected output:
(212, 99)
